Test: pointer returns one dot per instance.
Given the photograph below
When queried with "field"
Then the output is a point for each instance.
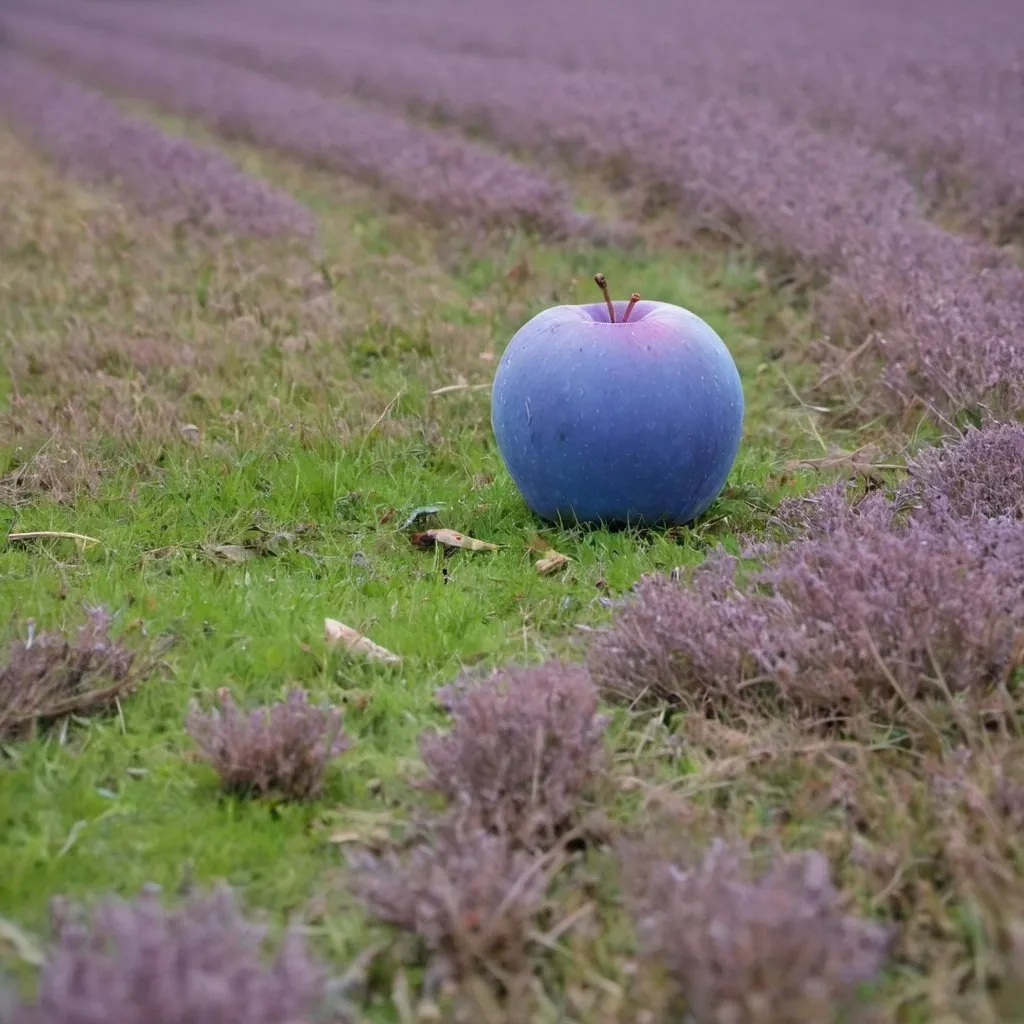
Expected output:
(258, 263)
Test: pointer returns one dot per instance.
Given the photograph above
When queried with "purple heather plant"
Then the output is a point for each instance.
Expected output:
(524, 745)
(469, 896)
(832, 509)
(201, 963)
(89, 137)
(773, 948)
(981, 474)
(868, 620)
(284, 749)
(50, 675)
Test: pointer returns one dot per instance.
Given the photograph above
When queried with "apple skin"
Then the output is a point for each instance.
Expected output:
(634, 423)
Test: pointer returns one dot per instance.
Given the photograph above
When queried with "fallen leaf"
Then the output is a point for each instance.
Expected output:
(345, 837)
(237, 553)
(421, 513)
(450, 539)
(351, 826)
(338, 634)
(551, 562)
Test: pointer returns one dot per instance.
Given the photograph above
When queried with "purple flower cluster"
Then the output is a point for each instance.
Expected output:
(89, 137)
(866, 619)
(946, 314)
(980, 474)
(771, 948)
(906, 609)
(469, 896)
(284, 749)
(524, 744)
(140, 963)
(51, 675)
(437, 171)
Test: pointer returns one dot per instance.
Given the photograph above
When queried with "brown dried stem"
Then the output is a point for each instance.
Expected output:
(602, 282)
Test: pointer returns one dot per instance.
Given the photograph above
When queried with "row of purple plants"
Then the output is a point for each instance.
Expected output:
(871, 611)
(92, 139)
(936, 84)
(435, 171)
(943, 315)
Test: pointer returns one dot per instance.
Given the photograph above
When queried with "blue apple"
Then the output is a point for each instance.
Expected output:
(618, 413)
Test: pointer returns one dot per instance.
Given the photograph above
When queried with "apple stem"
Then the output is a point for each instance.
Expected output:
(633, 300)
(602, 282)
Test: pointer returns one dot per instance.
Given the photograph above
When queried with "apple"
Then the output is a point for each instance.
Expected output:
(617, 413)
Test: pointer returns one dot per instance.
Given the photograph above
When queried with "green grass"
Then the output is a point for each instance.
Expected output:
(257, 626)
(316, 422)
